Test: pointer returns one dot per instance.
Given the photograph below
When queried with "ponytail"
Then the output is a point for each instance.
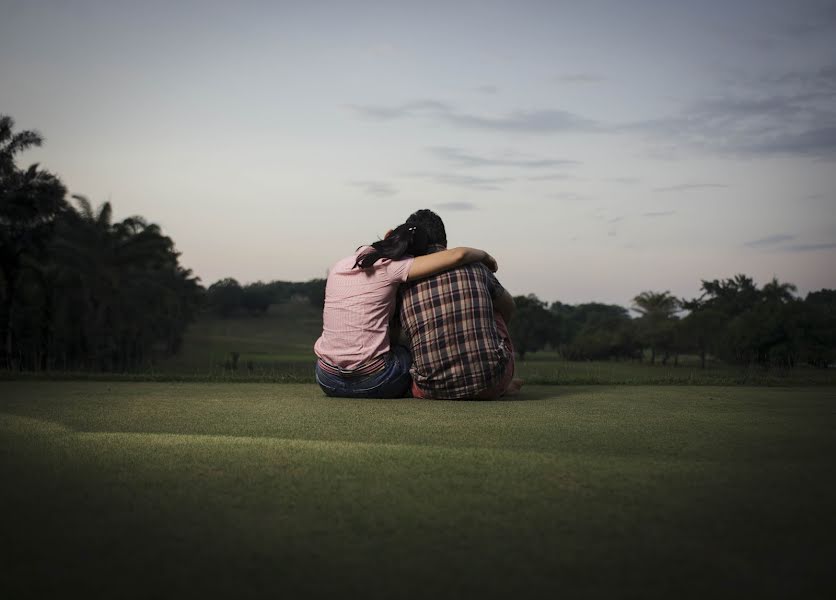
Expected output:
(404, 240)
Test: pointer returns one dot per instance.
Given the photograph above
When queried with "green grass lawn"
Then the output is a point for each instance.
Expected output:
(167, 489)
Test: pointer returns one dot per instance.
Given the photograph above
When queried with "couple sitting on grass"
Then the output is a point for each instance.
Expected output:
(448, 303)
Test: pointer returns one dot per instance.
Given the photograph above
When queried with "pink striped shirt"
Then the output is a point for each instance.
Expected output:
(358, 306)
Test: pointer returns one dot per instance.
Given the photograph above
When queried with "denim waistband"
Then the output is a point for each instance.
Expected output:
(368, 368)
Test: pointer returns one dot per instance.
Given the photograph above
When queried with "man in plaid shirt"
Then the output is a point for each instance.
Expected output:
(456, 326)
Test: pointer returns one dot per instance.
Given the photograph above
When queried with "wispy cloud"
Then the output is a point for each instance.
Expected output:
(792, 114)
(688, 187)
(777, 242)
(466, 181)
(487, 89)
(810, 247)
(659, 213)
(553, 177)
(455, 206)
(524, 121)
(380, 189)
(407, 110)
(814, 142)
(580, 78)
(770, 240)
(465, 159)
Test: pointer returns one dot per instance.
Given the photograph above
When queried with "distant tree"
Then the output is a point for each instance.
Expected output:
(256, 298)
(595, 331)
(314, 290)
(701, 327)
(225, 297)
(657, 321)
(123, 291)
(743, 324)
(533, 326)
(30, 200)
(818, 325)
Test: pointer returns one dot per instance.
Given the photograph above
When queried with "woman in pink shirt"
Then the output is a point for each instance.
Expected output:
(354, 356)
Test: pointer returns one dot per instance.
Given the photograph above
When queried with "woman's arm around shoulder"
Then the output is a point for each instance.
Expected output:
(430, 264)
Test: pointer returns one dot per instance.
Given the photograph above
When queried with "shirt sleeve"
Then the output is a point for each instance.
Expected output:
(494, 286)
(399, 269)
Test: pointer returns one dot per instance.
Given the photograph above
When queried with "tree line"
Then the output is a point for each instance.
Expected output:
(79, 291)
(227, 297)
(733, 320)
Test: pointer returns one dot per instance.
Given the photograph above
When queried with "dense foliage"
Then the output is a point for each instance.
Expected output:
(733, 320)
(79, 291)
(227, 297)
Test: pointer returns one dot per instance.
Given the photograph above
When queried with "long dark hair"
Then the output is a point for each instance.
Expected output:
(404, 239)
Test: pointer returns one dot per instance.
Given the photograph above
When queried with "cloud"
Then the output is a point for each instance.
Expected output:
(456, 206)
(659, 213)
(487, 89)
(524, 121)
(552, 177)
(770, 240)
(460, 157)
(687, 187)
(407, 110)
(778, 240)
(810, 247)
(580, 78)
(379, 189)
(791, 113)
(467, 181)
(816, 142)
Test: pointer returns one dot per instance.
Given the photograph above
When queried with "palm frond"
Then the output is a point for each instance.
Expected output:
(85, 209)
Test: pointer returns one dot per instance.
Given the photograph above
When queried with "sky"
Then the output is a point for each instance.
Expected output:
(597, 149)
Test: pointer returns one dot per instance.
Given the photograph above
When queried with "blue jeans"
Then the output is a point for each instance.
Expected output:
(393, 381)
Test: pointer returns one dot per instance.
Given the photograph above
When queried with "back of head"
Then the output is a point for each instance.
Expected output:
(432, 224)
(406, 239)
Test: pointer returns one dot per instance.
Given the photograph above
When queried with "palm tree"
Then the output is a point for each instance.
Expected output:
(14, 143)
(30, 200)
(657, 312)
(132, 292)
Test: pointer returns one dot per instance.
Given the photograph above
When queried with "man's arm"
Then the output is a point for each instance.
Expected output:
(503, 303)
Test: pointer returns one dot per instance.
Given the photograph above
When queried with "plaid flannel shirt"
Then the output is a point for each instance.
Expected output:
(449, 321)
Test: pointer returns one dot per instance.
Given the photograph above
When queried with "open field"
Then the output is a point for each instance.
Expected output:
(151, 489)
(278, 348)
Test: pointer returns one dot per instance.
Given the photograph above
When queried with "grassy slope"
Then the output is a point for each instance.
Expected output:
(231, 489)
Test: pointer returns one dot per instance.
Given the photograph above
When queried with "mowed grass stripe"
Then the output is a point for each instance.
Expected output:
(272, 490)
